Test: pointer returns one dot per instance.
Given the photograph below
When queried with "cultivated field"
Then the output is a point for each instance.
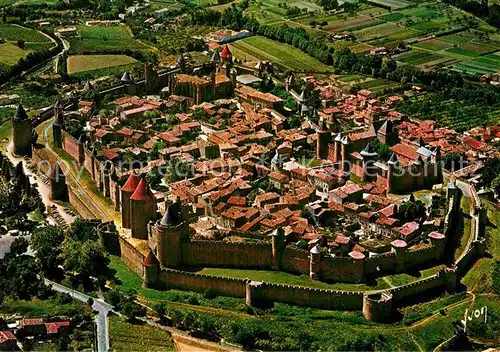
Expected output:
(26, 2)
(11, 53)
(82, 63)
(102, 39)
(272, 11)
(261, 48)
(10, 32)
(438, 33)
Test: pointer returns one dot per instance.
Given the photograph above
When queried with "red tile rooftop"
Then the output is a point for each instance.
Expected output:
(409, 228)
(342, 239)
(53, 328)
(436, 235)
(31, 322)
(142, 192)
(399, 243)
(356, 255)
(406, 151)
(6, 336)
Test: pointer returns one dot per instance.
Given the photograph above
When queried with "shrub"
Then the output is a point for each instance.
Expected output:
(210, 294)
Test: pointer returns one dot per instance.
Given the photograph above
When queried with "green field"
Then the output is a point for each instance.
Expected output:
(102, 39)
(416, 57)
(286, 56)
(10, 32)
(139, 337)
(11, 53)
(82, 63)
(289, 279)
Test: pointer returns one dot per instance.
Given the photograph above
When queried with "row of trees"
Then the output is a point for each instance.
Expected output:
(490, 13)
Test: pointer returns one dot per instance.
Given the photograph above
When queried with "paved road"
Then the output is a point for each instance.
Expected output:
(100, 306)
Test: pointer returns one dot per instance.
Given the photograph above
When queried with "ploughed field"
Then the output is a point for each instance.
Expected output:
(89, 63)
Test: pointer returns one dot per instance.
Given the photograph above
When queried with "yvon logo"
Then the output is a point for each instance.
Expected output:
(475, 315)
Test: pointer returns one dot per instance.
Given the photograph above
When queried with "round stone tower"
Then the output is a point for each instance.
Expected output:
(151, 267)
(323, 138)
(126, 191)
(278, 244)
(21, 132)
(58, 187)
(345, 154)
(168, 234)
(315, 262)
(369, 158)
(58, 125)
(377, 307)
(392, 165)
(142, 210)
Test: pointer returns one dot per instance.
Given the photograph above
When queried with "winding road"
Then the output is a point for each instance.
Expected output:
(99, 305)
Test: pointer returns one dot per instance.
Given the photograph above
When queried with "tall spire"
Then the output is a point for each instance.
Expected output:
(20, 113)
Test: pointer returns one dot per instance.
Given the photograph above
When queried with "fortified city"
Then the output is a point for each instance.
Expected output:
(222, 175)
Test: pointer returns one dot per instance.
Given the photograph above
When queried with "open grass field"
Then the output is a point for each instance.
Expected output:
(288, 279)
(82, 63)
(11, 53)
(102, 39)
(139, 337)
(261, 48)
(10, 32)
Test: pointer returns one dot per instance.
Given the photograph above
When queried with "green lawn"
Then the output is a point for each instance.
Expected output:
(40, 308)
(403, 279)
(485, 275)
(289, 279)
(467, 223)
(125, 336)
(286, 56)
(102, 39)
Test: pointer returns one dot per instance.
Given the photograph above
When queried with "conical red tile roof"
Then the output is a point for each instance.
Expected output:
(142, 192)
(150, 259)
(226, 53)
(132, 183)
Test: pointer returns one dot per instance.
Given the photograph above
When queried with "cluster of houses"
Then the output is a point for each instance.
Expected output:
(35, 329)
(251, 173)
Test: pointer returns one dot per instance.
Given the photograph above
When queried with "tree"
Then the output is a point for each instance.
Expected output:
(87, 258)
(490, 170)
(495, 185)
(411, 210)
(453, 161)
(383, 150)
(19, 246)
(178, 170)
(154, 177)
(46, 242)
